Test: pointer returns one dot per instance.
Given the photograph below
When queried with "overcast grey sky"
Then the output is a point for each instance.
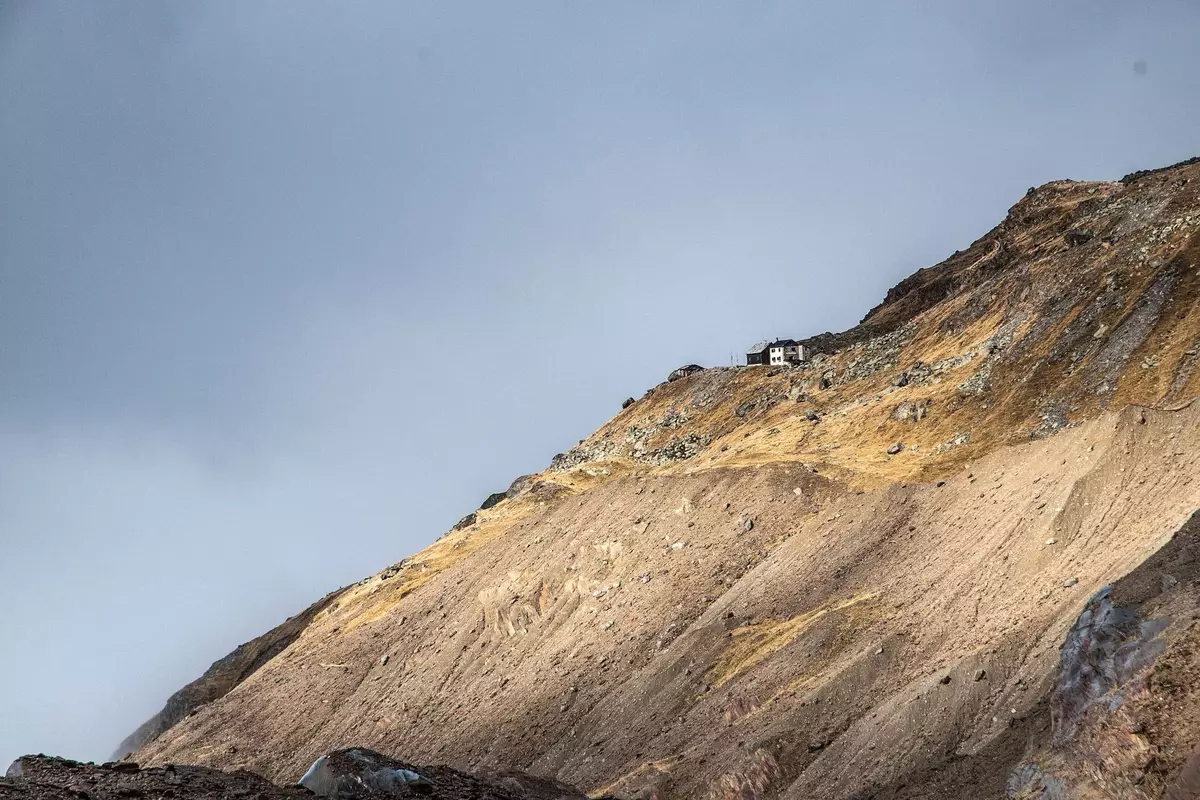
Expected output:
(287, 288)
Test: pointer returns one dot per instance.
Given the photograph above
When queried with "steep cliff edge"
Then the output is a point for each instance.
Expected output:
(849, 578)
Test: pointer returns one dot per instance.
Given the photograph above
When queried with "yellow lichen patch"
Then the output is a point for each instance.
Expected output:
(857, 614)
(587, 475)
(753, 644)
(375, 599)
(662, 766)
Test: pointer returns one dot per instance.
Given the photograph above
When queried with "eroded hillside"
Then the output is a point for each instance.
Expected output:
(848, 578)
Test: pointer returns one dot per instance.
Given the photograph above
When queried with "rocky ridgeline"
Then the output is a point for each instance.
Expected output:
(843, 578)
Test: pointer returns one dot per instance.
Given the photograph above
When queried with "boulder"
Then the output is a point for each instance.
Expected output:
(684, 371)
(493, 499)
(517, 486)
(359, 773)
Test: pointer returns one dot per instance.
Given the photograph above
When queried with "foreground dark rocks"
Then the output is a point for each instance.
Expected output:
(355, 774)
(45, 778)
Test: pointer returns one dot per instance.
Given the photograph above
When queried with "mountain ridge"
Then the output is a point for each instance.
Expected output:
(844, 578)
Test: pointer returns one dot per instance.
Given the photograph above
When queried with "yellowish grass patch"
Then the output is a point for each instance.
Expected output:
(754, 644)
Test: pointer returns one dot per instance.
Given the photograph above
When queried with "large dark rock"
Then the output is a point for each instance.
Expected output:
(493, 499)
(465, 522)
(359, 774)
(519, 485)
(684, 371)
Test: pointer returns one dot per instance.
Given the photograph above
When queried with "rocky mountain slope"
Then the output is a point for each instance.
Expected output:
(953, 555)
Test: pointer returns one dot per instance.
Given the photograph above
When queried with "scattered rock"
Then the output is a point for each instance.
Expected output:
(980, 674)
(679, 545)
(493, 499)
(977, 384)
(628, 402)
(1054, 416)
(945, 679)
(896, 448)
(747, 524)
(383, 660)
(1069, 582)
(679, 448)
(958, 441)
(684, 371)
(914, 411)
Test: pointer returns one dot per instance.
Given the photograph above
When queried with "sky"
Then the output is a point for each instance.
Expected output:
(287, 288)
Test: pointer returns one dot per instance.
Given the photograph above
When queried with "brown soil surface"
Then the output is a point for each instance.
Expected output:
(732, 589)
